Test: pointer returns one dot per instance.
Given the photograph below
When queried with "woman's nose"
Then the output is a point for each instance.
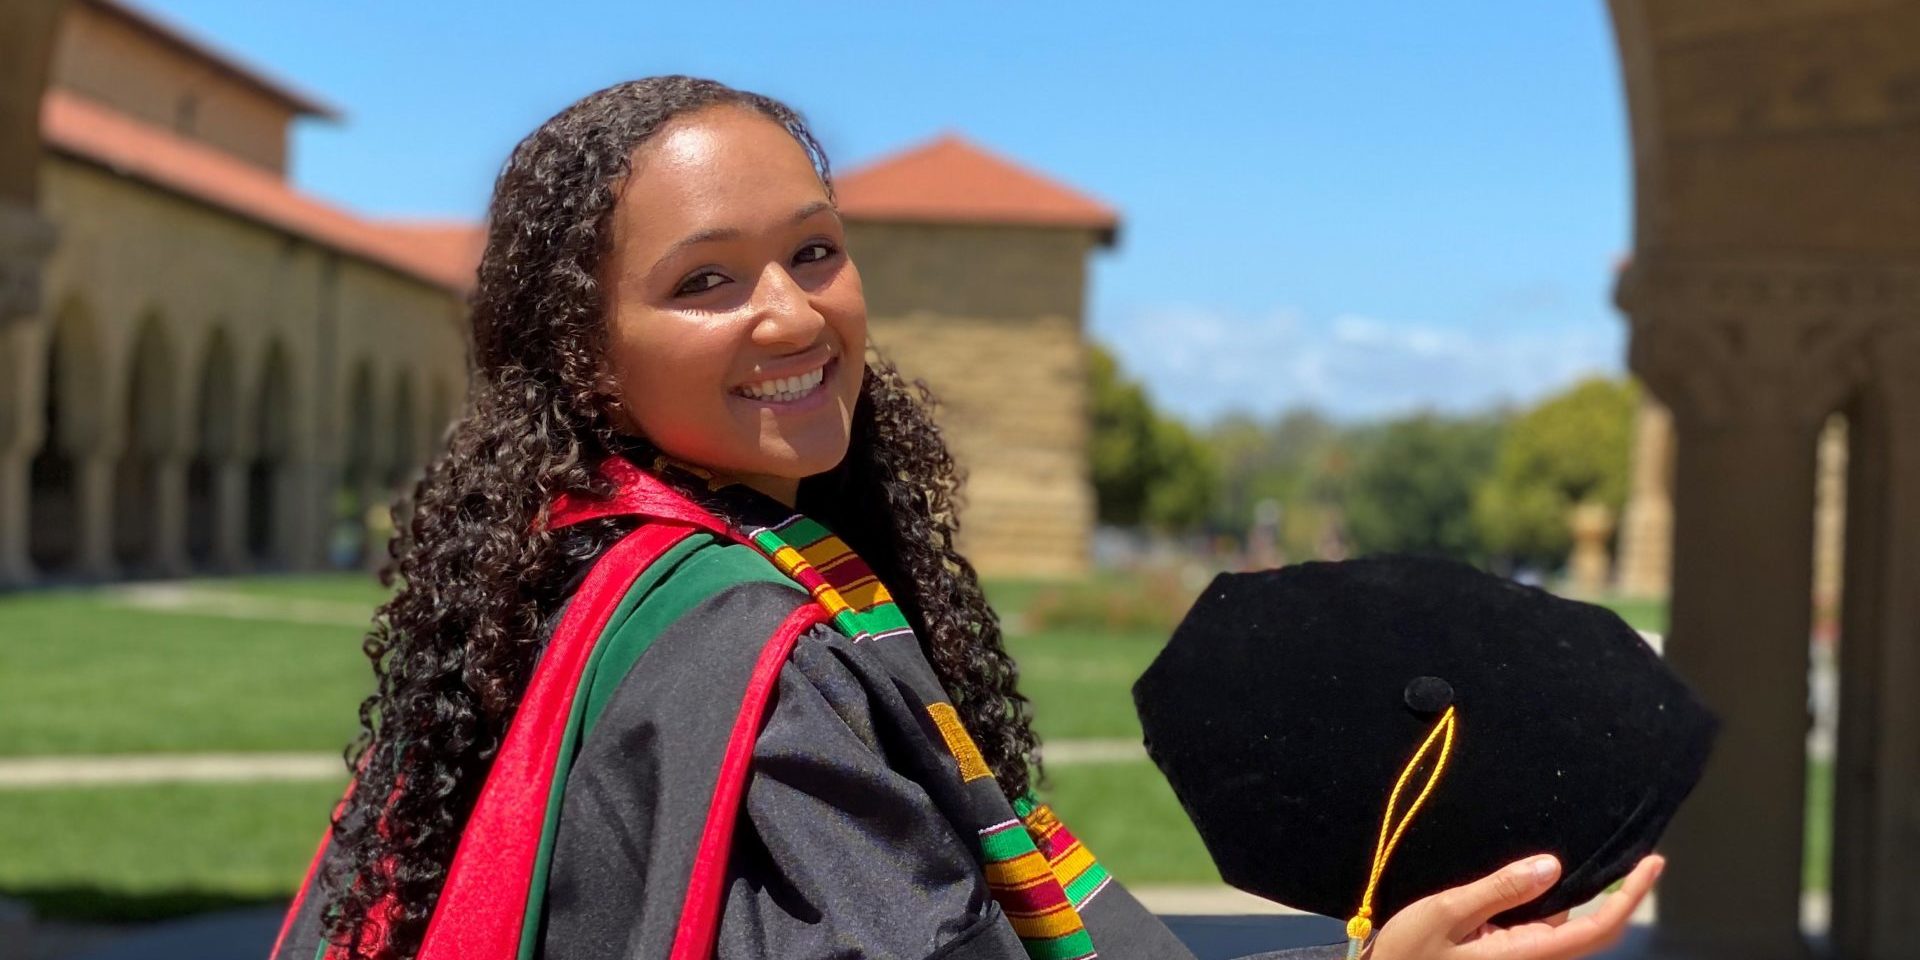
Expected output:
(783, 313)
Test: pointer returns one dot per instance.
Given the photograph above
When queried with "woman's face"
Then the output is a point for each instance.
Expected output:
(738, 329)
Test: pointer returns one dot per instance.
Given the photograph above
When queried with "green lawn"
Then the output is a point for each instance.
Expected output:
(82, 674)
(1130, 819)
(136, 853)
(1642, 614)
(1081, 682)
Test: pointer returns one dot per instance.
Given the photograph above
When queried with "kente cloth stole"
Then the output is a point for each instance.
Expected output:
(1036, 870)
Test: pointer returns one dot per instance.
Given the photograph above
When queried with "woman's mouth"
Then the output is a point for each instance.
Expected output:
(784, 391)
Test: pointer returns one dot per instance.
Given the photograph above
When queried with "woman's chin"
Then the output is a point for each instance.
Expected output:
(793, 462)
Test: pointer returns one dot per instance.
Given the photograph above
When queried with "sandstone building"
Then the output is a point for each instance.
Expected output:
(203, 369)
(975, 273)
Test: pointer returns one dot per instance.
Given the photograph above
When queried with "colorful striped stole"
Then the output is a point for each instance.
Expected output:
(836, 577)
(1036, 870)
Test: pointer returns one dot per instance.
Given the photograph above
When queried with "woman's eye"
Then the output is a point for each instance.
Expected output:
(700, 283)
(813, 252)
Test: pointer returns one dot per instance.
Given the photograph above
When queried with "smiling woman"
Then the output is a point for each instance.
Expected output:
(682, 659)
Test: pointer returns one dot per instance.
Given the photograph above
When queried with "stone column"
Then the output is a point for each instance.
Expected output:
(314, 505)
(1876, 870)
(93, 493)
(16, 568)
(169, 504)
(298, 534)
(16, 438)
(1588, 566)
(230, 514)
(1750, 358)
(1646, 528)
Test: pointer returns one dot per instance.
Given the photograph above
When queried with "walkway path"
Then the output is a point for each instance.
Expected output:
(202, 601)
(31, 773)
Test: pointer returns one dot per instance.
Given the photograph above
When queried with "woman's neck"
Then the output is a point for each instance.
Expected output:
(784, 489)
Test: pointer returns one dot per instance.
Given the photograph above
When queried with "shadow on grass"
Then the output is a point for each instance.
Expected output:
(84, 904)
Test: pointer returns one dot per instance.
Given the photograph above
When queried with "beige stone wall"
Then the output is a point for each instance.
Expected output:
(102, 57)
(991, 319)
(128, 252)
(27, 29)
(287, 341)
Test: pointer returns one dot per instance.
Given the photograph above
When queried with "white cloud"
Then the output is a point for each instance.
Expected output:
(1202, 363)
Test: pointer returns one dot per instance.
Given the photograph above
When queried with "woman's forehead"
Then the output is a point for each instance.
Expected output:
(722, 164)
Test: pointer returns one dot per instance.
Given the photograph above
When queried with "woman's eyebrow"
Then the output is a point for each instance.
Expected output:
(731, 233)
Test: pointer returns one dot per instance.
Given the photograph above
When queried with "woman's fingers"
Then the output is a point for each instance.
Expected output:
(1574, 938)
(1467, 907)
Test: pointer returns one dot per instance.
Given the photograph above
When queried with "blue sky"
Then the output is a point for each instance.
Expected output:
(1370, 207)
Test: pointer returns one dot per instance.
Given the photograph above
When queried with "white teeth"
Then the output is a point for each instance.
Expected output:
(785, 389)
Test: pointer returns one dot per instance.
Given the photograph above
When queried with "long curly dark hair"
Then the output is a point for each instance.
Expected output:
(477, 575)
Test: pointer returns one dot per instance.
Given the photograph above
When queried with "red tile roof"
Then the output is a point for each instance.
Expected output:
(436, 253)
(181, 39)
(455, 242)
(951, 180)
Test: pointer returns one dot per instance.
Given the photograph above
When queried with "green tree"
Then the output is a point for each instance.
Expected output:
(1148, 468)
(1265, 460)
(1182, 492)
(1571, 448)
(1412, 485)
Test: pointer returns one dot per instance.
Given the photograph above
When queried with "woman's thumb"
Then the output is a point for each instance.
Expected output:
(1467, 908)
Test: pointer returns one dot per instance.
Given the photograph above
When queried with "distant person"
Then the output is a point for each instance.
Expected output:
(673, 402)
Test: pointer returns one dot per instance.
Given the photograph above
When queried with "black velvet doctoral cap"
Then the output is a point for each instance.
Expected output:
(1290, 702)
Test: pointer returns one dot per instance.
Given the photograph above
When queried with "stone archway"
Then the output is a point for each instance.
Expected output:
(210, 532)
(269, 471)
(403, 455)
(1775, 281)
(146, 476)
(67, 520)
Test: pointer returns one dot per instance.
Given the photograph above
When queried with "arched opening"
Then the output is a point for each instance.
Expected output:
(70, 408)
(403, 456)
(353, 499)
(216, 411)
(272, 446)
(148, 409)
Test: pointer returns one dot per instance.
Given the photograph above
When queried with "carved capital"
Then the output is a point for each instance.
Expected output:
(1759, 342)
(25, 240)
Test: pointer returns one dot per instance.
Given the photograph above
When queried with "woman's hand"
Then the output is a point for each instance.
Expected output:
(1452, 924)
